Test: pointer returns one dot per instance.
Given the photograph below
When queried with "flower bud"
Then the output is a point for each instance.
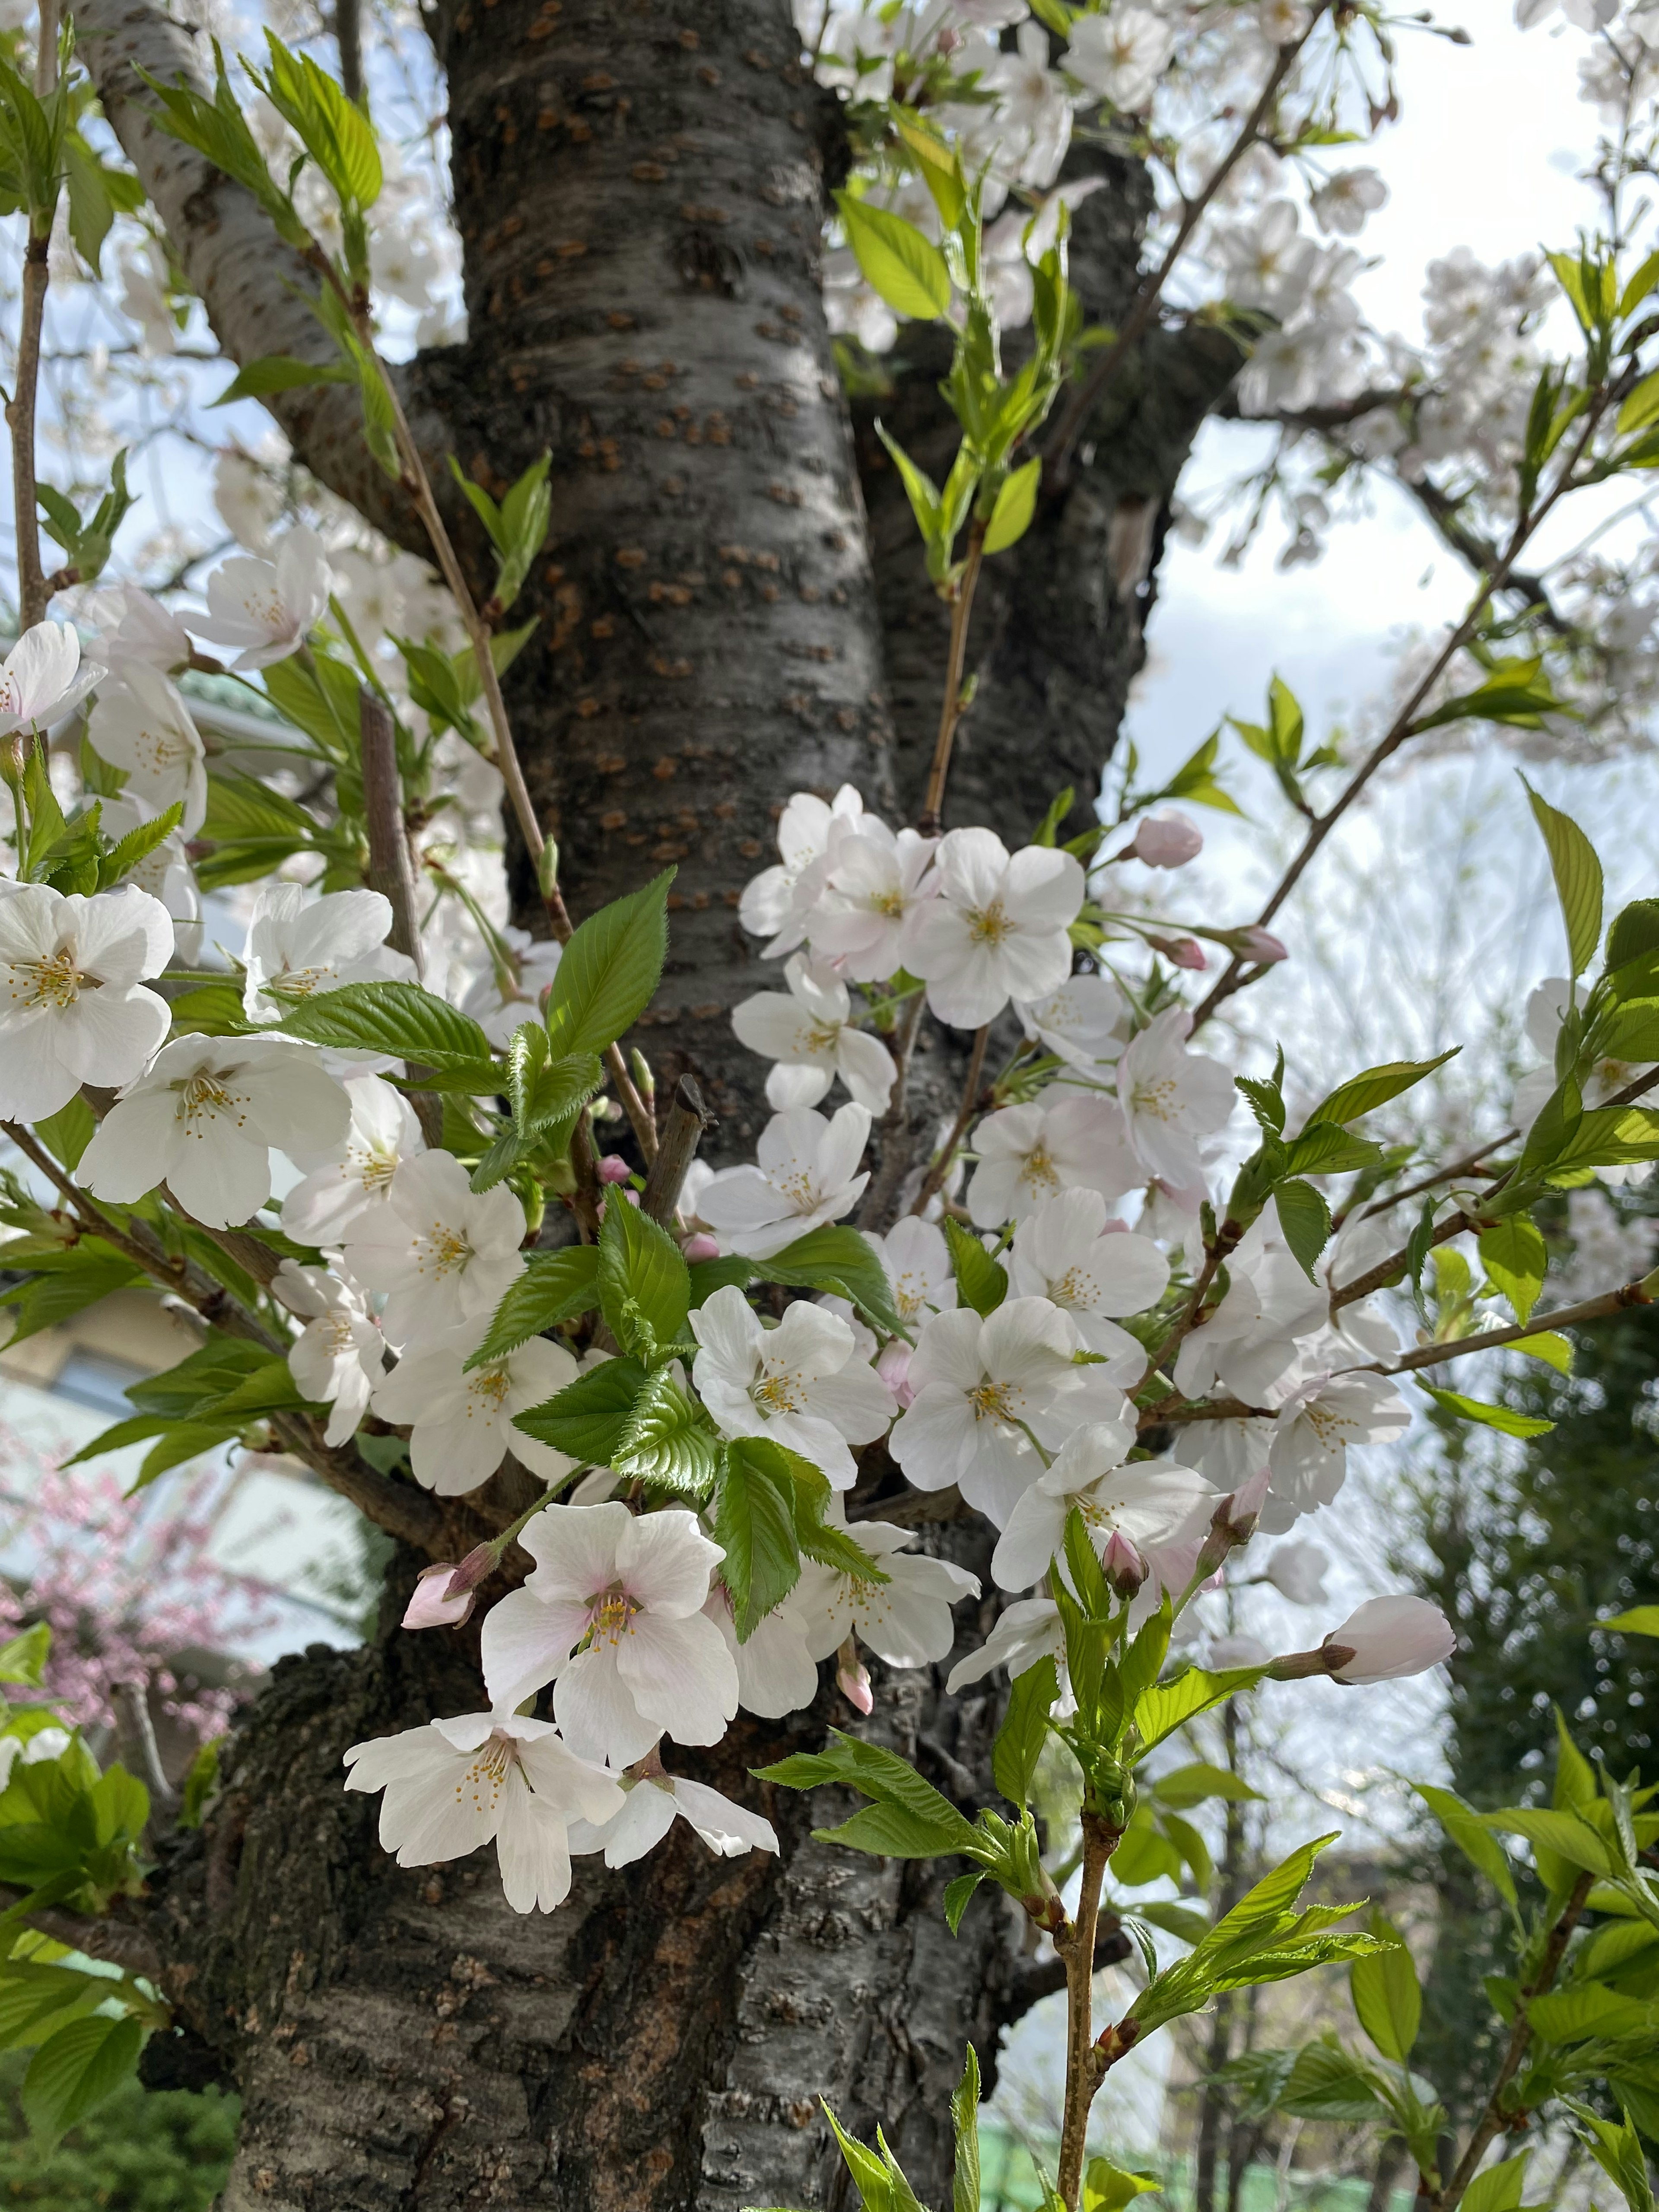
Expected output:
(611, 1169)
(432, 1605)
(700, 1247)
(1185, 951)
(1124, 1567)
(1233, 1522)
(1258, 944)
(1166, 840)
(547, 869)
(479, 1564)
(894, 1369)
(853, 1678)
(1387, 1637)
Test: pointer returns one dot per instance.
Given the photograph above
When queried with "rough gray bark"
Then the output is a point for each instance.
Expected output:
(641, 192)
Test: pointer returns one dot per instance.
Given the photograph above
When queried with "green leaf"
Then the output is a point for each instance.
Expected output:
(200, 1784)
(754, 1522)
(1327, 1148)
(89, 1270)
(959, 1895)
(921, 490)
(610, 970)
(964, 2126)
(67, 1132)
(935, 1826)
(939, 165)
(982, 1281)
(1329, 2083)
(1025, 1730)
(645, 1290)
(838, 1260)
(586, 1419)
(1573, 2015)
(1193, 1784)
(907, 269)
(1109, 2188)
(1575, 1786)
(281, 372)
(1500, 2188)
(1515, 1257)
(1568, 1836)
(1011, 518)
(1304, 1221)
(1577, 879)
(1553, 1349)
(1618, 2152)
(334, 133)
(23, 1658)
(1634, 934)
(76, 2070)
(137, 845)
(1465, 1828)
(1386, 1994)
(389, 1017)
(1504, 1419)
(1640, 1620)
(554, 1286)
(1361, 1093)
(668, 1440)
(1168, 1705)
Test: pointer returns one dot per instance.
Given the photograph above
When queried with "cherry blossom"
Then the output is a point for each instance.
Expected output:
(1155, 1503)
(134, 627)
(44, 677)
(809, 1033)
(205, 1119)
(507, 994)
(1068, 1252)
(1246, 1341)
(1166, 840)
(866, 892)
(267, 608)
(777, 903)
(804, 1175)
(612, 1616)
(1172, 1097)
(1120, 55)
(988, 1392)
(775, 1672)
(905, 1619)
(298, 946)
(340, 1354)
(800, 1383)
(143, 726)
(73, 1008)
(1315, 1427)
(353, 1181)
(1389, 1637)
(1064, 1141)
(461, 1421)
(653, 1802)
(917, 1261)
(1027, 1630)
(1083, 1023)
(443, 1253)
(495, 1777)
(998, 929)
(164, 872)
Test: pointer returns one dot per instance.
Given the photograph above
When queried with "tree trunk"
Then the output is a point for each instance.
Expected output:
(640, 194)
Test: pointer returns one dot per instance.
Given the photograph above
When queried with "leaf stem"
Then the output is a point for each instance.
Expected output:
(950, 708)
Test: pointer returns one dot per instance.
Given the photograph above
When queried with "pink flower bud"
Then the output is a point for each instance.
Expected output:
(432, 1605)
(1167, 841)
(854, 1683)
(613, 1169)
(1260, 946)
(700, 1247)
(1387, 1637)
(480, 1563)
(894, 1369)
(1124, 1567)
(1185, 951)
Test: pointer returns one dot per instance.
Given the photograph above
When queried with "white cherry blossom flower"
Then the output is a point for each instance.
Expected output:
(1343, 202)
(1390, 1637)
(1026, 1632)
(340, 1354)
(1120, 55)
(1082, 1022)
(1155, 1505)
(998, 928)
(354, 1181)
(984, 1389)
(804, 1175)
(443, 1253)
(267, 608)
(654, 1801)
(917, 1261)
(1166, 840)
(809, 1032)
(1063, 1140)
(905, 1619)
(1249, 1338)
(298, 946)
(1265, 263)
(500, 1003)
(143, 726)
(205, 1119)
(73, 1009)
(800, 1383)
(1069, 1253)
(133, 626)
(869, 889)
(486, 1777)
(1034, 114)
(1172, 1097)
(461, 1423)
(43, 677)
(777, 903)
(776, 1673)
(164, 870)
(629, 1593)
(1317, 1424)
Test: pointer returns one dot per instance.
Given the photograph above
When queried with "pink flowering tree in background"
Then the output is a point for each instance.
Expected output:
(780, 1480)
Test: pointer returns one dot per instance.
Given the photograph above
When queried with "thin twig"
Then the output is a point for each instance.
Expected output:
(950, 708)
(1469, 1165)
(1075, 1942)
(688, 1122)
(934, 1181)
(20, 417)
(1058, 462)
(134, 1733)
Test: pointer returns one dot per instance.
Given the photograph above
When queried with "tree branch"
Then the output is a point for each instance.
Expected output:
(117, 1942)
(688, 1122)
